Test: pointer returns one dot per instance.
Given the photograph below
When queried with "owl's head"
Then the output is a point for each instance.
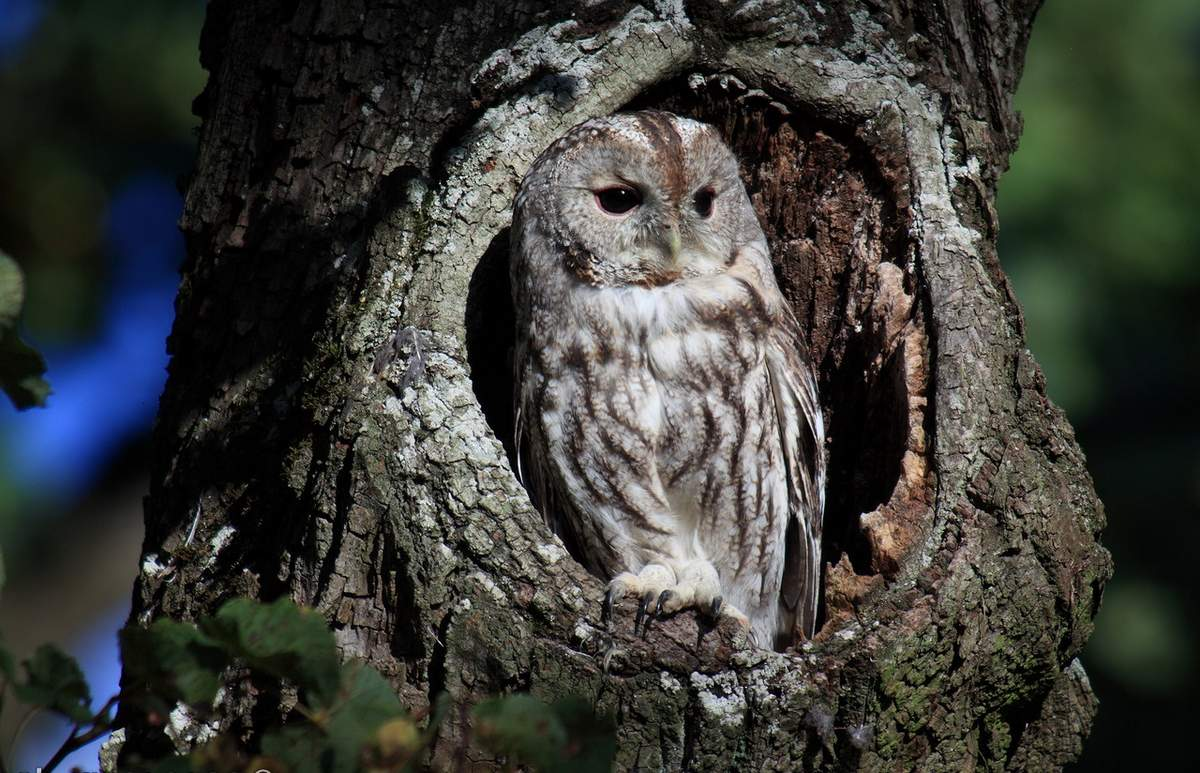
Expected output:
(640, 198)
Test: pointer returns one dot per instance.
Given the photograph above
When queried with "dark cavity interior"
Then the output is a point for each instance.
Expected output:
(837, 224)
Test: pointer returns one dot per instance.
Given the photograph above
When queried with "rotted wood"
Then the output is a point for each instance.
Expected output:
(335, 423)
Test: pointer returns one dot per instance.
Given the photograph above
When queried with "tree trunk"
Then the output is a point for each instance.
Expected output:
(336, 423)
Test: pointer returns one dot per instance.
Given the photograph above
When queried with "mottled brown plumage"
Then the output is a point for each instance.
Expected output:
(667, 421)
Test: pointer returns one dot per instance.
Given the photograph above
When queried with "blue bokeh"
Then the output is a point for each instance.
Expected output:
(106, 388)
(18, 20)
(106, 391)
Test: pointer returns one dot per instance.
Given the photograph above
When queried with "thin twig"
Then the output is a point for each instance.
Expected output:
(62, 752)
(100, 723)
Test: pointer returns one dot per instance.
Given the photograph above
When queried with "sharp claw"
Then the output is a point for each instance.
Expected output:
(716, 606)
(662, 599)
(644, 602)
(609, 651)
(606, 609)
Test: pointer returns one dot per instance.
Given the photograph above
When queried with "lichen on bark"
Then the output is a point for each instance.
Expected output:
(334, 425)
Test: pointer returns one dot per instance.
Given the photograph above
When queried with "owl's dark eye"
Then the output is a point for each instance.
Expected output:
(618, 200)
(703, 201)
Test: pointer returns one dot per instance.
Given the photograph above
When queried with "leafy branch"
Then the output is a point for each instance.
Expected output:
(53, 682)
(346, 716)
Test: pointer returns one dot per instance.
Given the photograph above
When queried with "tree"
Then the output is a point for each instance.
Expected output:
(336, 423)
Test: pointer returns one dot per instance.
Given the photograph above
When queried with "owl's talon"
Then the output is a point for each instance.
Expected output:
(609, 651)
(641, 621)
(661, 590)
(663, 598)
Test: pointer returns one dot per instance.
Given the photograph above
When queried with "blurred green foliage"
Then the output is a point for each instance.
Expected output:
(52, 681)
(21, 367)
(98, 94)
(101, 89)
(339, 709)
(1099, 208)
(563, 737)
(1100, 234)
(345, 718)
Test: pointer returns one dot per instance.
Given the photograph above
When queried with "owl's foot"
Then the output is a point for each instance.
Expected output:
(661, 591)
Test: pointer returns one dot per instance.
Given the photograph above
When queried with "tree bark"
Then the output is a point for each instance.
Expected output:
(335, 425)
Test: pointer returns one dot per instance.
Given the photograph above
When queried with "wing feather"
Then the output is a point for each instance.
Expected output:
(803, 440)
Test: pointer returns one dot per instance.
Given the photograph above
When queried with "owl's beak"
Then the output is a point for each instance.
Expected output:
(674, 243)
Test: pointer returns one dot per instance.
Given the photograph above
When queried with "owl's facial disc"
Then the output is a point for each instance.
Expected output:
(648, 199)
(642, 230)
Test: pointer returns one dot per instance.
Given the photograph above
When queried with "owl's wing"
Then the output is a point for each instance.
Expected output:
(544, 483)
(802, 429)
(532, 469)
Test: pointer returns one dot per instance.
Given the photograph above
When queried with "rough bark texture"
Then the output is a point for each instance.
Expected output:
(335, 421)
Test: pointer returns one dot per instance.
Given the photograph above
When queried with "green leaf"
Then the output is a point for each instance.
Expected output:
(565, 737)
(303, 748)
(335, 744)
(55, 682)
(282, 640)
(523, 727)
(591, 739)
(172, 661)
(438, 712)
(368, 702)
(21, 367)
(173, 764)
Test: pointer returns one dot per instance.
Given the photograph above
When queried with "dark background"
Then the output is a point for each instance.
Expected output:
(1100, 219)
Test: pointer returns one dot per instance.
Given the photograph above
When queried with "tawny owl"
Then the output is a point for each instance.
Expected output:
(667, 421)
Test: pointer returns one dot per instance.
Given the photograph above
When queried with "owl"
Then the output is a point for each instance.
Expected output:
(667, 422)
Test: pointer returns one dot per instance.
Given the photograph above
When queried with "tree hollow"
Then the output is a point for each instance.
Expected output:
(837, 226)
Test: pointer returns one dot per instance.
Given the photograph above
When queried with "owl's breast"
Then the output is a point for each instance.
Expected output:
(655, 407)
